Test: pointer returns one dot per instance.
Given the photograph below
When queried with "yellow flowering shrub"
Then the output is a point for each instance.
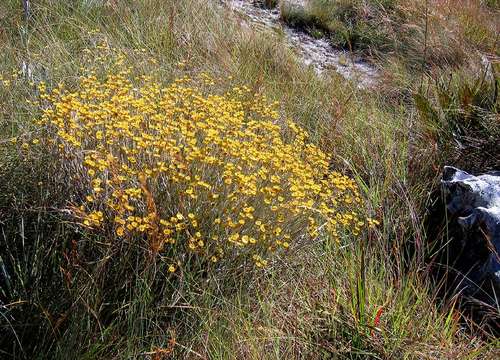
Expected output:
(196, 174)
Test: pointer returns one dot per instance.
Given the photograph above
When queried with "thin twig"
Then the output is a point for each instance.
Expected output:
(426, 33)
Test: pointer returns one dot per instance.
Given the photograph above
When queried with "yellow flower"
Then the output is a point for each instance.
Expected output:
(140, 147)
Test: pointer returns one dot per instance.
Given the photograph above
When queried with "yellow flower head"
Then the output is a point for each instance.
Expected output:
(147, 153)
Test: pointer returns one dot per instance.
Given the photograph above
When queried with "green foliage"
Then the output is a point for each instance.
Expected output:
(269, 4)
(413, 32)
(336, 304)
(296, 16)
(32, 243)
(494, 4)
(345, 23)
(462, 112)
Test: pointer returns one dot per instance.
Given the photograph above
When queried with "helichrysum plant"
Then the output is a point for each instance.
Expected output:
(205, 176)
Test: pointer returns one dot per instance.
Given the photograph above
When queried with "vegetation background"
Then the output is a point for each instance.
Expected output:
(66, 295)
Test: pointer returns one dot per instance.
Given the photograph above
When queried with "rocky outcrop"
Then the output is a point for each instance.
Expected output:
(473, 206)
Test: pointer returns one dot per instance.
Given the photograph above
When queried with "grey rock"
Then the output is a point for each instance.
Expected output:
(474, 204)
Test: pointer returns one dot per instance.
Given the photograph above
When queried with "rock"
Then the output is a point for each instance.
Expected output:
(473, 204)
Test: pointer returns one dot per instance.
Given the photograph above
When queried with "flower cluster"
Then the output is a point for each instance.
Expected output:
(196, 174)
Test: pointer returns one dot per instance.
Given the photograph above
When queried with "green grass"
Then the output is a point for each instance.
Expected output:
(345, 23)
(269, 4)
(62, 300)
(433, 33)
(464, 108)
(335, 303)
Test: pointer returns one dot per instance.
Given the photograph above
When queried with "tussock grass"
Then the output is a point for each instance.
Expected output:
(433, 33)
(355, 25)
(336, 303)
(269, 4)
(462, 110)
(65, 292)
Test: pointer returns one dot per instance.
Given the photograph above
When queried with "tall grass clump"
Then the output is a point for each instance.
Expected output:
(345, 303)
(461, 113)
(356, 25)
(269, 4)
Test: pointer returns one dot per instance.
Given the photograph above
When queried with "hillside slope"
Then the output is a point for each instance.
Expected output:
(177, 184)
